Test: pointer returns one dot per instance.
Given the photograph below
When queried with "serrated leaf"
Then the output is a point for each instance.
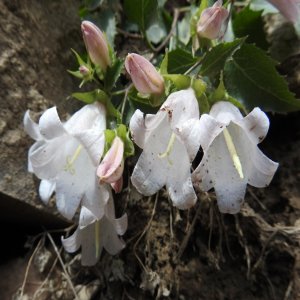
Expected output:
(140, 12)
(179, 61)
(112, 74)
(102, 97)
(214, 61)
(250, 76)
(250, 23)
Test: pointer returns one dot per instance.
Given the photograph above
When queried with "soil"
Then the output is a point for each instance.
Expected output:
(170, 254)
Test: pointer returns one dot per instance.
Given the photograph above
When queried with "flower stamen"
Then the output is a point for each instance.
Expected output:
(232, 151)
(169, 148)
(70, 160)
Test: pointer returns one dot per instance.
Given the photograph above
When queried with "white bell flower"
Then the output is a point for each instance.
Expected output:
(170, 142)
(94, 234)
(231, 158)
(66, 155)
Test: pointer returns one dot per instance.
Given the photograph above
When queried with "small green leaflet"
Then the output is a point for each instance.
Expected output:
(250, 77)
(214, 61)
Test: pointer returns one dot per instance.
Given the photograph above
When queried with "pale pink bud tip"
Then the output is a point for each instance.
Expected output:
(144, 75)
(96, 44)
(84, 70)
(111, 168)
(212, 22)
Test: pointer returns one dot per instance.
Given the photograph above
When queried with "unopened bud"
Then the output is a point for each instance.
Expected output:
(144, 75)
(211, 24)
(96, 44)
(288, 8)
(84, 71)
(111, 167)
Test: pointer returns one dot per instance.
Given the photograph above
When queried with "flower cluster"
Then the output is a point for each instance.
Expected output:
(65, 157)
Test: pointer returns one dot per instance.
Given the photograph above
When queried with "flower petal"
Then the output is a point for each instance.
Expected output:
(112, 243)
(73, 242)
(91, 116)
(141, 126)
(180, 107)
(256, 124)
(31, 127)
(225, 112)
(50, 124)
(190, 135)
(263, 169)
(46, 190)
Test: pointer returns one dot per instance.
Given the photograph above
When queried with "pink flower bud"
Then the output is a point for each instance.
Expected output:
(211, 24)
(111, 167)
(289, 8)
(96, 44)
(117, 185)
(84, 71)
(144, 75)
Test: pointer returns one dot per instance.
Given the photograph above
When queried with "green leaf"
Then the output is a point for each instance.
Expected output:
(112, 74)
(179, 61)
(250, 76)
(140, 12)
(250, 23)
(214, 61)
(102, 97)
(157, 30)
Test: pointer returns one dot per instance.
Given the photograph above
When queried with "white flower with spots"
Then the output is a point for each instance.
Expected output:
(170, 142)
(94, 234)
(231, 158)
(66, 155)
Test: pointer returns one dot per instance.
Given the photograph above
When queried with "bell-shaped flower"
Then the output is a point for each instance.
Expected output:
(66, 155)
(94, 234)
(231, 158)
(288, 8)
(212, 22)
(96, 44)
(144, 75)
(170, 142)
(111, 167)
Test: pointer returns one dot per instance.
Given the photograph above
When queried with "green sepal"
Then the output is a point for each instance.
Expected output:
(122, 132)
(181, 82)
(148, 99)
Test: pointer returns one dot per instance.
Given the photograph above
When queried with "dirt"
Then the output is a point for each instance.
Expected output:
(170, 254)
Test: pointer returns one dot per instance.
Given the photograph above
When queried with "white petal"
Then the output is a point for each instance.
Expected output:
(225, 112)
(86, 217)
(150, 173)
(190, 135)
(46, 190)
(141, 126)
(119, 224)
(93, 141)
(263, 169)
(71, 185)
(72, 243)
(47, 158)
(31, 127)
(256, 124)
(92, 116)
(180, 107)
(91, 247)
(209, 130)
(112, 243)
(50, 124)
